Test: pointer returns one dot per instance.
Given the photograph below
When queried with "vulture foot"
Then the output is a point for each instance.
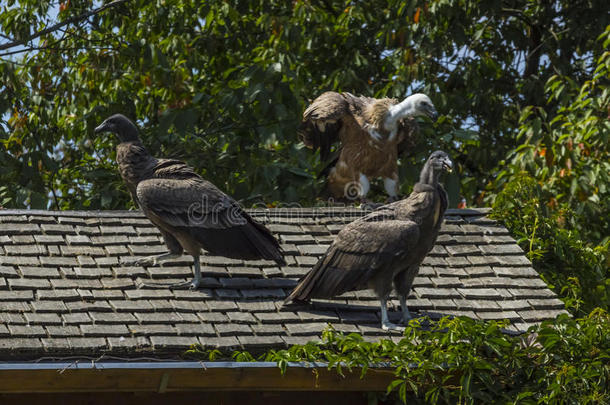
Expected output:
(187, 285)
(152, 260)
(404, 321)
(194, 284)
(406, 315)
(145, 261)
(369, 205)
(392, 199)
(191, 285)
(392, 326)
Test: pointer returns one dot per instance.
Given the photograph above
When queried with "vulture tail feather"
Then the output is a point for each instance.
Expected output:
(240, 242)
(264, 243)
(302, 292)
(314, 138)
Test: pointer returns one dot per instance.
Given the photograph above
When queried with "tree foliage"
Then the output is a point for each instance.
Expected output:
(222, 85)
(555, 192)
(460, 360)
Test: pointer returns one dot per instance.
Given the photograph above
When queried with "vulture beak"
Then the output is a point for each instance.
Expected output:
(101, 128)
(447, 165)
(433, 114)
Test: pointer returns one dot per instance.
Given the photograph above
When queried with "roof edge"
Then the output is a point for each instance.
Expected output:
(139, 214)
(85, 364)
(184, 376)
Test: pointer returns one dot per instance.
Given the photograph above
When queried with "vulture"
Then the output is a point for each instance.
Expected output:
(372, 133)
(384, 247)
(191, 213)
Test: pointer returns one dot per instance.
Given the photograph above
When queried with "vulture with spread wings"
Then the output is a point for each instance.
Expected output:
(384, 247)
(191, 213)
(372, 133)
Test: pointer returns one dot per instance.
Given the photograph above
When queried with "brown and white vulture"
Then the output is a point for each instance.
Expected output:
(384, 247)
(191, 213)
(372, 133)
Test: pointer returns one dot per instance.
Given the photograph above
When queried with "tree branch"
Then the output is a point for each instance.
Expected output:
(61, 24)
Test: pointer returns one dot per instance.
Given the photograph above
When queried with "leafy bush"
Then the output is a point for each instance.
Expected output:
(567, 263)
(564, 360)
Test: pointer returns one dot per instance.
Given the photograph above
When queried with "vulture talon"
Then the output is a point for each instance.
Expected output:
(195, 283)
(392, 326)
(186, 285)
(138, 262)
(392, 199)
(146, 261)
(369, 205)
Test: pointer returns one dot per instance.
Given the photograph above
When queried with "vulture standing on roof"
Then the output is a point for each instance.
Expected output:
(372, 132)
(190, 212)
(384, 247)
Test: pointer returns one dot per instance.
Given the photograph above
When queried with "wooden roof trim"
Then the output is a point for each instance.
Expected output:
(183, 376)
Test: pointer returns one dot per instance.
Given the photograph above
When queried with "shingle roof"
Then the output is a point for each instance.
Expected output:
(65, 290)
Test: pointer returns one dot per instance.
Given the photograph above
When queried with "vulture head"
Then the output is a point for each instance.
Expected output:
(440, 161)
(120, 125)
(422, 105)
(413, 106)
(437, 163)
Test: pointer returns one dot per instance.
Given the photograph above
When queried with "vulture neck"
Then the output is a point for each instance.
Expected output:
(135, 163)
(397, 112)
(428, 175)
(129, 136)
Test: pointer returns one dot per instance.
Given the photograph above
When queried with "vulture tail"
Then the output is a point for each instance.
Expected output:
(335, 273)
(326, 171)
(305, 290)
(250, 241)
(263, 241)
(315, 138)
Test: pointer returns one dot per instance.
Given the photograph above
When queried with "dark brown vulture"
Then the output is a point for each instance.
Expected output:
(190, 212)
(372, 133)
(385, 246)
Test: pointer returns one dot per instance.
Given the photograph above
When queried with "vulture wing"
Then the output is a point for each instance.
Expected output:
(360, 251)
(385, 240)
(326, 116)
(181, 202)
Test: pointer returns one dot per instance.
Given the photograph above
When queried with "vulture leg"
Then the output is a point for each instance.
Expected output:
(365, 186)
(385, 322)
(406, 315)
(390, 186)
(154, 260)
(403, 282)
(196, 281)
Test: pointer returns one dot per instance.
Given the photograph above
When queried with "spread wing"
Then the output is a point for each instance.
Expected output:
(179, 201)
(361, 250)
(326, 116)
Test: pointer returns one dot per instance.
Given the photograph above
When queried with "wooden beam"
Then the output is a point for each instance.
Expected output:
(107, 379)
